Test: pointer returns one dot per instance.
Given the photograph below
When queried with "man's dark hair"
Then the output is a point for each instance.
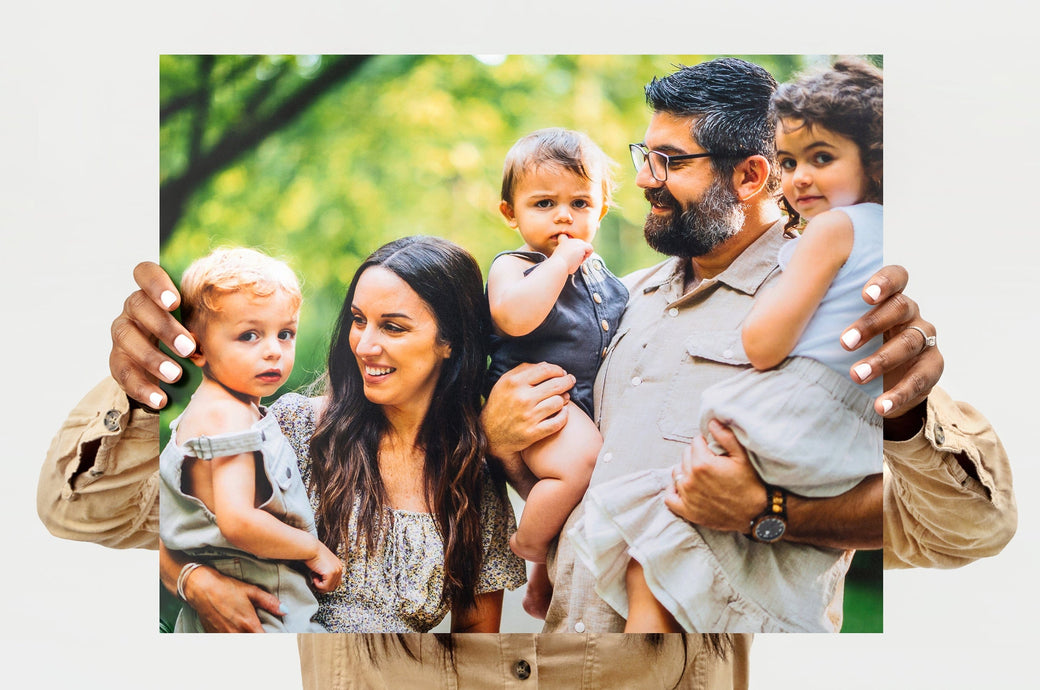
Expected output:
(728, 100)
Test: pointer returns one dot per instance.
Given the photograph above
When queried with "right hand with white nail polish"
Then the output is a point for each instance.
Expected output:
(909, 368)
(136, 362)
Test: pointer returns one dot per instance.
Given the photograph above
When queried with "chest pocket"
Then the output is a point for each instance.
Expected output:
(707, 357)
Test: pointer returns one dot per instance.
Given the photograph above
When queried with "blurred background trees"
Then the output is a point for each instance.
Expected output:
(322, 159)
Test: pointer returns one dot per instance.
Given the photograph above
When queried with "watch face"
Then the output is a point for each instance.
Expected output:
(770, 529)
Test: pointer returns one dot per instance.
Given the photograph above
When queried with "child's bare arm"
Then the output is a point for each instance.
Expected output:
(247, 527)
(781, 313)
(519, 303)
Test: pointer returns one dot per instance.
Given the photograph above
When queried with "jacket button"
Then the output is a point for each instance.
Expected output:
(112, 420)
(940, 437)
(522, 669)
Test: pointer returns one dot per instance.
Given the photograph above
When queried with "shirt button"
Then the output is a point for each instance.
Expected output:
(584, 269)
(606, 326)
(673, 312)
(579, 627)
(596, 298)
(522, 669)
(607, 457)
(112, 420)
(636, 380)
(727, 353)
(940, 437)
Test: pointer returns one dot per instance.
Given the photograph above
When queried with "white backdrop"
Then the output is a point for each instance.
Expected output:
(79, 204)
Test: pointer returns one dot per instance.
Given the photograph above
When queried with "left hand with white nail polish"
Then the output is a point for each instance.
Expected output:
(136, 362)
(911, 367)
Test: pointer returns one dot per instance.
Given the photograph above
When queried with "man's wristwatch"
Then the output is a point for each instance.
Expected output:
(771, 524)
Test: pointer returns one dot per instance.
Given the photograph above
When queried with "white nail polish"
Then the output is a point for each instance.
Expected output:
(155, 399)
(167, 298)
(851, 337)
(873, 292)
(886, 405)
(184, 345)
(169, 370)
(862, 370)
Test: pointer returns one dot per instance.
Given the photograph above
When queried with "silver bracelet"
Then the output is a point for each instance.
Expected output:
(185, 572)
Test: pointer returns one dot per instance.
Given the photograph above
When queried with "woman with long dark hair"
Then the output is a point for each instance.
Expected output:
(399, 485)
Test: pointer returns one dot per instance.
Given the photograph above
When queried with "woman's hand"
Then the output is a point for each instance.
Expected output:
(327, 569)
(910, 367)
(136, 362)
(225, 604)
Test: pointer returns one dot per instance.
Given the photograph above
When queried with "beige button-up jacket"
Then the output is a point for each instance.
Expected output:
(99, 483)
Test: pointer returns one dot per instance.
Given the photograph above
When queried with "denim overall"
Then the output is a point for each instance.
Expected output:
(186, 524)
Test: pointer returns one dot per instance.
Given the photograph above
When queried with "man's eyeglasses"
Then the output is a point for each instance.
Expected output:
(659, 161)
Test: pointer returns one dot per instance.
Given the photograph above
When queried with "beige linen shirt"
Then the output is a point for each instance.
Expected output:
(558, 662)
(99, 483)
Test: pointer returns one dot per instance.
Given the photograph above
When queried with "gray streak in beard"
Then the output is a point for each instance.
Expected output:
(699, 229)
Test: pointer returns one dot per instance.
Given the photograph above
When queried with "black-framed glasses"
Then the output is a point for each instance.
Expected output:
(659, 161)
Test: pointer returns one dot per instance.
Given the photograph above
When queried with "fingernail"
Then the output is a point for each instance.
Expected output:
(873, 292)
(183, 345)
(169, 370)
(862, 371)
(886, 405)
(282, 610)
(851, 337)
(155, 399)
(167, 298)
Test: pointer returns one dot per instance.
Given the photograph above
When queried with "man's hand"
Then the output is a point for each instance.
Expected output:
(721, 492)
(910, 367)
(136, 362)
(225, 604)
(527, 404)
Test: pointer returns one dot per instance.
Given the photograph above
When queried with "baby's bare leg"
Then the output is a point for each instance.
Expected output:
(538, 593)
(645, 613)
(563, 463)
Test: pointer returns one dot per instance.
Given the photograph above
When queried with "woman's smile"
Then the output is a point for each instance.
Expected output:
(396, 341)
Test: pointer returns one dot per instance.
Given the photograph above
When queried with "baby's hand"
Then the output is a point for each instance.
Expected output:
(572, 251)
(327, 569)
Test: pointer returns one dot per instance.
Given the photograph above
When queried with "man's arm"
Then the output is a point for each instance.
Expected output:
(947, 490)
(99, 481)
(724, 493)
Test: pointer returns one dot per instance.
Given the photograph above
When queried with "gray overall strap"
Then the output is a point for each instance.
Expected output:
(223, 445)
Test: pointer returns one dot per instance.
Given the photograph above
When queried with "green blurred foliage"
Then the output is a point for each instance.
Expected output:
(403, 145)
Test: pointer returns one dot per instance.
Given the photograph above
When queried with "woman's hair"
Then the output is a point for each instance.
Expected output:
(573, 151)
(227, 270)
(847, 99)
(344, 447)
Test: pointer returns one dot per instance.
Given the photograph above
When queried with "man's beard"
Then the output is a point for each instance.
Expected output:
(697, 230)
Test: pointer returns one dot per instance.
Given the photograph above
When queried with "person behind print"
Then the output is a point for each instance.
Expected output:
(716, 491)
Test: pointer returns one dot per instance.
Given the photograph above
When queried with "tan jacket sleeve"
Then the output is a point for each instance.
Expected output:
(936, 514)
(100, 480)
